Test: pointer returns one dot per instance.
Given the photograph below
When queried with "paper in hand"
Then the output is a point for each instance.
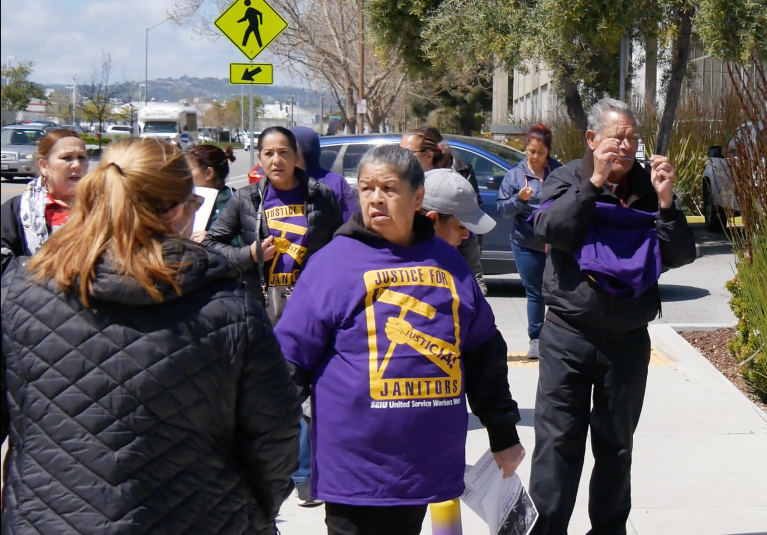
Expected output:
(503, 503)
(202, 216)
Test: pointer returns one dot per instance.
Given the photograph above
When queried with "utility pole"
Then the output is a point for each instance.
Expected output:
(146, 58)
(322, 113)
(360, 116)
(250, 134)
(74, 99)
(242, 107)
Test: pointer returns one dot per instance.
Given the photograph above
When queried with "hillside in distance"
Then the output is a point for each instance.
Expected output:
(187, 87)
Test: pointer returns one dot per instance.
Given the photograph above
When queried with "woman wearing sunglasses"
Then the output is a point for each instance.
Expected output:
(145, 392)
(519, 197)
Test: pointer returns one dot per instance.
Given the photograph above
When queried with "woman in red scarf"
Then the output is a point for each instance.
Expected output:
(29, 219)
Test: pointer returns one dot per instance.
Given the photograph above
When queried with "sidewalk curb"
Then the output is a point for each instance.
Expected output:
(689, 327)
(665, 339)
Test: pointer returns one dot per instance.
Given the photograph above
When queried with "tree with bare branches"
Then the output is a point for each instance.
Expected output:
(321, 46)
(126, 92)
(98, 94)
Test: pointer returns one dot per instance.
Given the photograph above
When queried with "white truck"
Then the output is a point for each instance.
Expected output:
(174, 122)
(718, 193)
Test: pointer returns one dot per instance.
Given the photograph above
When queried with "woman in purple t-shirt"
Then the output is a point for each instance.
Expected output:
(284, 219)
(389, 331)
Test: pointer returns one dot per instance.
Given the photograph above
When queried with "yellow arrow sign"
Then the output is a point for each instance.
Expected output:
(251, 73)
(251, 25)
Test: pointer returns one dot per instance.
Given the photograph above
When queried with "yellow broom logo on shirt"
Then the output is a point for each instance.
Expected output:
(282, 244)
(386, 286)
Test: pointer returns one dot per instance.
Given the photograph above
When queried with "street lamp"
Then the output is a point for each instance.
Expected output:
(74, 98)
(8, 68)
(146, 59)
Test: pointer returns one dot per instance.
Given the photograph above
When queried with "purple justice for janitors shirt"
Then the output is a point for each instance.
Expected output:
(286, 217)
(381, 328)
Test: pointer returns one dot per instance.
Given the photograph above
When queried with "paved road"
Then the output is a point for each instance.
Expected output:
(238, 176)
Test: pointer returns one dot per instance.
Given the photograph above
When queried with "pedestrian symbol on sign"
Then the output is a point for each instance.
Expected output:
(253, 17)
(251, 25)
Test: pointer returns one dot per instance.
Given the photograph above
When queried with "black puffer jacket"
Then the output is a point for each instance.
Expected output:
(136, 417)
(12, 242)
(323, 216)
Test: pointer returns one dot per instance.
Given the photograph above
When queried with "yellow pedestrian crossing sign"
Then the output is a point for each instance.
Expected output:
(251, 73)
(251, 25)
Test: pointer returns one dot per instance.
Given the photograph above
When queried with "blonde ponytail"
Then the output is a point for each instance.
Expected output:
(119, 211)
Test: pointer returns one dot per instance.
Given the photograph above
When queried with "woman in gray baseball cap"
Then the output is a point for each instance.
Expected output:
(450, 201)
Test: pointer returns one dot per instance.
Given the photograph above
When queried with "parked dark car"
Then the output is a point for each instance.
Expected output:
(491, 161)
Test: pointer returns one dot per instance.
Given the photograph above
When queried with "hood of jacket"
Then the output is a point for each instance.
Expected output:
(198, 268)
(355, 228)
(309, 142)
(333, 126)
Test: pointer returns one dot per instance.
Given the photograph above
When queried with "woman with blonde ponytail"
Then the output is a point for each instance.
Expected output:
(145, 392)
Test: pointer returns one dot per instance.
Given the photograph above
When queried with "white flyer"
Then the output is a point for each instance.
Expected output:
(203, 214)
(503, 503)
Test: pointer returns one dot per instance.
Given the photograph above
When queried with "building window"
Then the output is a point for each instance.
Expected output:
(528, 108)
(535, 106)
(545, 103)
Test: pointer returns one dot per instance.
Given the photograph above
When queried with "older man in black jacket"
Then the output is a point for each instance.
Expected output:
(595, 343)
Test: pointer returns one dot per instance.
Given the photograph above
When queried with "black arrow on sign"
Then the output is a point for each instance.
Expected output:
(247, 76)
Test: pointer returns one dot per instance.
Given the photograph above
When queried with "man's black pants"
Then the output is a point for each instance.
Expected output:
(368, 520)
(573, 368)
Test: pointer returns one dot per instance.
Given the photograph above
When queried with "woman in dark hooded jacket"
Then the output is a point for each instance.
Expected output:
(335, 127)
(309, 145)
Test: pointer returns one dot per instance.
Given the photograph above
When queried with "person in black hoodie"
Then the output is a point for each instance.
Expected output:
(142, 390)
(593, 342)
(298, 216)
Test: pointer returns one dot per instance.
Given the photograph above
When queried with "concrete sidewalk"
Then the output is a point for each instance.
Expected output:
(700, 466)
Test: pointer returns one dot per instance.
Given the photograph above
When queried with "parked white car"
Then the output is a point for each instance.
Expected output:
(718, 192)
(117, 130)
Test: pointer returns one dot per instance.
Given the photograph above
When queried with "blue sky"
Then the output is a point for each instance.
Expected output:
(62, 37)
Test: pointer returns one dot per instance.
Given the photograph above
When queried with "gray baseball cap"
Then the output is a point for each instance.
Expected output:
(449, 193)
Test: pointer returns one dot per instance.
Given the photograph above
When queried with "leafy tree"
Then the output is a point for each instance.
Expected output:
(219, 117)
(733, 30)
(579, 40)
(59, 104)
(19, 91)
(238, 112)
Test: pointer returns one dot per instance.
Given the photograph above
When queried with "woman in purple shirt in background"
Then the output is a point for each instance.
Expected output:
(309, 146)
(389, 333)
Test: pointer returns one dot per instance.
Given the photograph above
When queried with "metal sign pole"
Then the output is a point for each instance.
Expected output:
(252, 126)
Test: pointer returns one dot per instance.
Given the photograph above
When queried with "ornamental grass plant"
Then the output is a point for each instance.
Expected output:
(748, 170)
